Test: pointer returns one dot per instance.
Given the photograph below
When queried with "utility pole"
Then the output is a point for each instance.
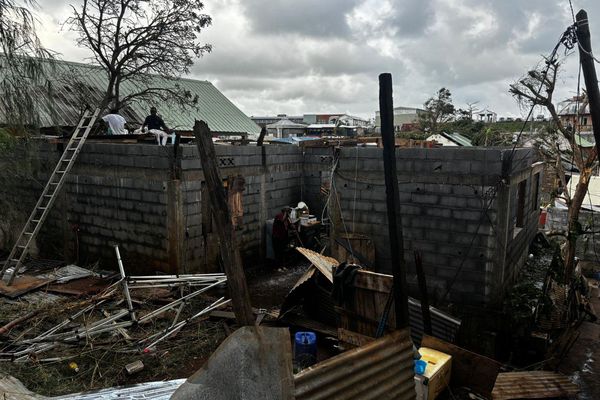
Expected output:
(589, 72)
(230, 253)
(386, 110)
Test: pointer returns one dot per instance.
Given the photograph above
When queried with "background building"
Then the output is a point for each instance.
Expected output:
(405, 118)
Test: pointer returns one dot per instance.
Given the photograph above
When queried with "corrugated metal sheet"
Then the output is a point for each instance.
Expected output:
(382, 369)
(74, 84)
(443, 325)
(533, 385)
(147, 391)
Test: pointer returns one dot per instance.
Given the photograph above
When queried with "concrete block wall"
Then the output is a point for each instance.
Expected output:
(273, 177)
(118, 194)
(153, 204)
(442, 196)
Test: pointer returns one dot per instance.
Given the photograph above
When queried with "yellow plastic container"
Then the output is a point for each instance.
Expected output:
(437, 374)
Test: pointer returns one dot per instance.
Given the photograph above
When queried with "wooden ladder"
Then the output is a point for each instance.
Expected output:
(48, 196)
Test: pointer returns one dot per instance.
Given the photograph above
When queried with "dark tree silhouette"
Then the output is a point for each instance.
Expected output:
(131, 39)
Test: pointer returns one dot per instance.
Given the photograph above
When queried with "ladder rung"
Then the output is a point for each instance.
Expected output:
(14, 259)
(35, 220)
(28, 233)
(21, 246)
(54, 183)
(67, 160)
(42, 208)
(61, 172)
(47, 195)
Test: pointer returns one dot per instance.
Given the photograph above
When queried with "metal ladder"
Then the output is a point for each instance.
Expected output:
(46, 200)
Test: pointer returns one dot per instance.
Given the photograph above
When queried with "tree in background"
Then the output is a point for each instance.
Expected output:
(537, 88)
(23, 65)
(439, 110)
(131, 39)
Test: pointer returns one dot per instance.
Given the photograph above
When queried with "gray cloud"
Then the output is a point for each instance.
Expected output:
(308, 18)
(325, 55)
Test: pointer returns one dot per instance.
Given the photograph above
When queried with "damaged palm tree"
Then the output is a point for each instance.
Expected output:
(537, 88)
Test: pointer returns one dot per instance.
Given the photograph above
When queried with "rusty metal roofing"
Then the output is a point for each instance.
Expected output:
(533, 385)
(382, 369)
(74, 84)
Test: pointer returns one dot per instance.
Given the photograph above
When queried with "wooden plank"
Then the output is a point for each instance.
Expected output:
(230, 252)
(373, 281)
(468, 369)
(353, 338)
(533, 385)
(21, 285)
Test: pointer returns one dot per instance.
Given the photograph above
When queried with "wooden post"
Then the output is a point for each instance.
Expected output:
(589, 72)
(386, 108)
(230, 253)
(424, 296)
(261, 137)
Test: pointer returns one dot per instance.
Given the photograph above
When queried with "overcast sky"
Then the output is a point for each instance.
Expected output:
(306, 56)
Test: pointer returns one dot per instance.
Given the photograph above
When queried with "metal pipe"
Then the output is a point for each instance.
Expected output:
(181, 324)
(124, 283)
(174, 303)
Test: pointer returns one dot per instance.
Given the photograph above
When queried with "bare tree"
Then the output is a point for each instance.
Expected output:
(23, 64)
(132, 39)
(537, 88)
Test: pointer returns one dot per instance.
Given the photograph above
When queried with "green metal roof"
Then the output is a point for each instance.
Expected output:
(458, 138)
(74, 84)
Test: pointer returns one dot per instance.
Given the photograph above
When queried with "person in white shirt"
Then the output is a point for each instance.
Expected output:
(115, 122)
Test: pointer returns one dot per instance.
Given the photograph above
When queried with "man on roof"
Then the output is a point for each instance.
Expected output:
(116, 123)
(153, 121)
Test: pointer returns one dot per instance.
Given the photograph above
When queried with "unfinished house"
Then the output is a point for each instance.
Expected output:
(471, 212)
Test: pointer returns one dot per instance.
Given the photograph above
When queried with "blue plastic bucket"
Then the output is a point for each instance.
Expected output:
(305, 349)
(420, 366)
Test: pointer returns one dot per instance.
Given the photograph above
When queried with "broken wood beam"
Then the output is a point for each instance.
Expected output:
(230, 253)
(386, 107)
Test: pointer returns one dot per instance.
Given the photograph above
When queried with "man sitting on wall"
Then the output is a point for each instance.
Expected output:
(155, 125)
(116, 123)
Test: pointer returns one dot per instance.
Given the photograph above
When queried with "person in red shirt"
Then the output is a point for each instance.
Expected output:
(280, 235)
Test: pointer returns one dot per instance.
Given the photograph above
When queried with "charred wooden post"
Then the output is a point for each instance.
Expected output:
(261, 137)
(589, 72)
(230, 253)
(424, 296)
(386, 107)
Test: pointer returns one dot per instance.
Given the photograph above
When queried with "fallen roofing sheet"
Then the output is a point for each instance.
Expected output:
(147, 391)
(382, 369)
(533, 385)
